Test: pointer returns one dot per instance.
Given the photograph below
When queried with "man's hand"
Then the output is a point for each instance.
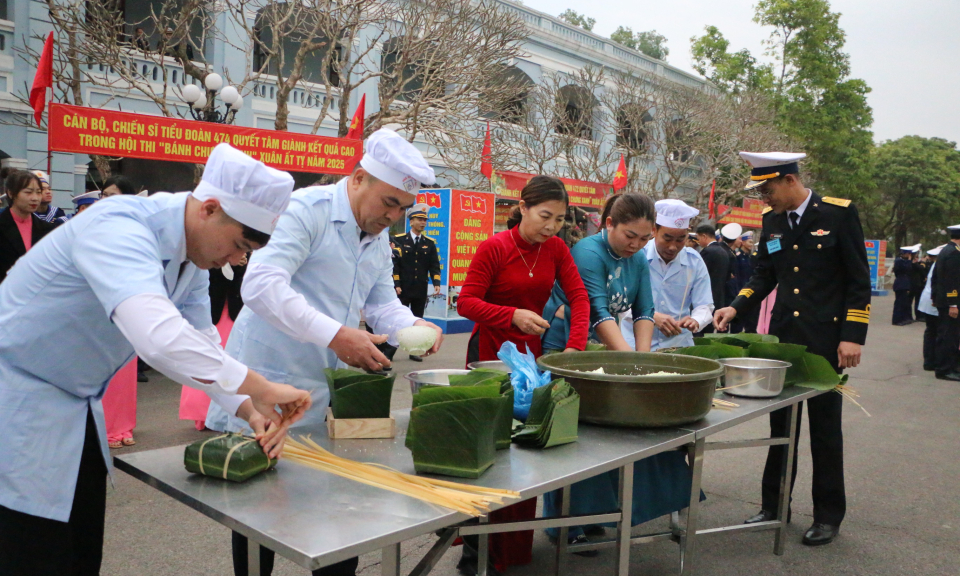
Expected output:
(722, 317)
(666, 324)
(953, 312)
(529, 322)
(398, 290)
(261, 408)
(689, 323)
(436, 290)
(264, 428)
(356, 348)
(848, 355)
(436, 345)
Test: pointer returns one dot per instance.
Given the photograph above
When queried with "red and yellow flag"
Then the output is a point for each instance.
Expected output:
(356, 125)
(620, 178)
(43, 80)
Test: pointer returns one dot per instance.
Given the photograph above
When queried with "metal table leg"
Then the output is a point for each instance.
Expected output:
(390, 560)
(786, 474)
(695, 451)
(253, 558)
(564, 531)
(483, 549)
(625, 524)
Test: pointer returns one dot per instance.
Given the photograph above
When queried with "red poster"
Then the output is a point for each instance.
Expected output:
(92, 131)
(750, 216)
(507, 185)
(471, 222)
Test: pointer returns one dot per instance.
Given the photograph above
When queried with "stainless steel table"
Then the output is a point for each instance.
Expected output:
(316, 519)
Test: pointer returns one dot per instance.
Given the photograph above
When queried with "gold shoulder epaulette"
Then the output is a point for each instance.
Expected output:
(401, 235)
(767, 209)
(841, 202)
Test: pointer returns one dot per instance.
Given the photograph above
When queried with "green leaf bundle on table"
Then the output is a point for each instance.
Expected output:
(230, 457)
(356, 394)
(553, 417)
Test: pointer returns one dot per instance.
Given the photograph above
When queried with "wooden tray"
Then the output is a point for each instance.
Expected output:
(360, 427)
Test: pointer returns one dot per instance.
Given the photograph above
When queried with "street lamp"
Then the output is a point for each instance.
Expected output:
(197, 99)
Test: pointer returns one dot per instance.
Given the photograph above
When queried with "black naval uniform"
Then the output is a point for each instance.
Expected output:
(415, 267)
(944, 290)
(823, 299)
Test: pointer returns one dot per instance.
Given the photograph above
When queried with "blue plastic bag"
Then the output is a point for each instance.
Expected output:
(525, 377)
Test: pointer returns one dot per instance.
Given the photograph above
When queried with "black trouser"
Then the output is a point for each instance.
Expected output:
(902, 307)
(346, 568)
(35, 546)
(826, 448)
(930, 342)
(417, 305)
(948, 342)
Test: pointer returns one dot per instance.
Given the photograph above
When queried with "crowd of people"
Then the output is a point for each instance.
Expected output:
(291, 274)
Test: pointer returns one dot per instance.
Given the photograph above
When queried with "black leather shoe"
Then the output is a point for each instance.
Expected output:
(416, 358)
(141, 377)
(820, 534)
(766, 516)
(928, 368)
(951, 376)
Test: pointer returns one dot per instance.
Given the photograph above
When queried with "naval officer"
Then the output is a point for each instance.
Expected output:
(945, 291)
(329, 259)
(682, 299)
(120, 279)
(811, 246)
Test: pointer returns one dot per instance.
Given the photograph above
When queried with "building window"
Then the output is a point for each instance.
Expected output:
(677, 140)
(313, 69)
(575, 111)
(507, 99)
(633, 122)
(405, 79)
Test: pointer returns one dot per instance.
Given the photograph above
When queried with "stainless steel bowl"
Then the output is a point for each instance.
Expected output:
(490, 365)
(754, 377)
(437, 377)
(630, 394)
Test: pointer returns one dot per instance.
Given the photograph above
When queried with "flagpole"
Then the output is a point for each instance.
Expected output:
(48, 98)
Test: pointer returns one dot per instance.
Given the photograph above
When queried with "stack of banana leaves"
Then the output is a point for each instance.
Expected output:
(229, 456)
(807, 369)
(553, 417)
(455, 430)
(356, 394)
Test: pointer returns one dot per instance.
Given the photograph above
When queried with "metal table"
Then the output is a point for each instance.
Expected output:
(316, 519)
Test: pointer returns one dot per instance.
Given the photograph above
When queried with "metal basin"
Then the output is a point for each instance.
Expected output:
(490, 365)
(627, 395)
(437, 377)
(754, 377)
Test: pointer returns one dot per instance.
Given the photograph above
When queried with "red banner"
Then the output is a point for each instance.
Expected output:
(750, 216)
(92, 131)
(507, 185)
(471, 222)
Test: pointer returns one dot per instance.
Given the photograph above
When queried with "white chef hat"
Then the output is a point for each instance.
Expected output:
(673, 213)
(393, 160)
(731, 231)
(935, 251)
(249, 191)
(86, 198)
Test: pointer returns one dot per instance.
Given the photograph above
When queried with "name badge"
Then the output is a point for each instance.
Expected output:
(773, 246)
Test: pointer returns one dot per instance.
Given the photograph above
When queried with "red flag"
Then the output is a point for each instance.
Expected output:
(356, 125)
(620, 178)
(486, 157)
(43, 80)
(711, 207)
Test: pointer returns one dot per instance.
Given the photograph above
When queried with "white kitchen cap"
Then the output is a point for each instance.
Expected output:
(673, 213)
(731, 231)
(393, 160)
(249, 191)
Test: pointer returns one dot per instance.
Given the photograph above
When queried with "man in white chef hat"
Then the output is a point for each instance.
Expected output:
(328, 260)
(125, 278)
(681, 286)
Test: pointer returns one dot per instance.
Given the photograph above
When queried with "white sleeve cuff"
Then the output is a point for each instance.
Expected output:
(229, 402)
(389, 318)
(703, 315)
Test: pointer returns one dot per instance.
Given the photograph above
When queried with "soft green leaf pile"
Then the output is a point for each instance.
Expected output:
(554, 413)
(356, 394)
(807, 369)
(246, 461)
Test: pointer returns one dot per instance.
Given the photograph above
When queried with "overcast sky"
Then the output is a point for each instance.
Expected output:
(907, 51)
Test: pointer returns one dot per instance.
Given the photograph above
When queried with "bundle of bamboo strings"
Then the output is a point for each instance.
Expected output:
(472, 500)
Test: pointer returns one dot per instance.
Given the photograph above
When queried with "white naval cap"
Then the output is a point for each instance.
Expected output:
(249, 191)
(954, 228)
(911, 249)
(935, 251)
(42, 176)
(767, 165)
(748, 235)
(390, 158)
(418, 211)
(86, 198)
(731, 231)
(673, 213)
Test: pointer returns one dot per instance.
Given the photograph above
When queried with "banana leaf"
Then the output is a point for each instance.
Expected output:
(452, 393)
(743, 339)
(807, 369)
(713, 351)
(359, 395)
(486, 377)
(594, 347)
(554, 412)
(242, 457)
(504, 433)
(454, 438)
(477, 376)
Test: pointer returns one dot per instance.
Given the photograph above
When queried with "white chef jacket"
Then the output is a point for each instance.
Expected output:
(926, 297)
(314, 276)
(61, 340)
(680, 288)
